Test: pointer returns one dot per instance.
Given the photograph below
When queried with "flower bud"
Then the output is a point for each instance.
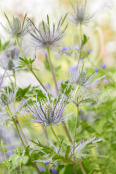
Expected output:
(16, 26)
(4, 99)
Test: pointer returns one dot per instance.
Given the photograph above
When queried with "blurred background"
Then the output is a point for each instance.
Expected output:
(101, 30)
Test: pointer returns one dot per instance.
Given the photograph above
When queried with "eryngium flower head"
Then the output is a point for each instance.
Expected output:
(8, 99)
(16, 28)
(80, 148)
(83, 95)
(7, 96)
(49, 112)
(9, 57)
(80, 14)
(47, 36)
(80, 77)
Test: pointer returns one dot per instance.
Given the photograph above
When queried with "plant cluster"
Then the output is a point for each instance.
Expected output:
(66, 107)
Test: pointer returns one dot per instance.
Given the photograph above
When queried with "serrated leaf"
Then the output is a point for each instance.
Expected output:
(21, 93)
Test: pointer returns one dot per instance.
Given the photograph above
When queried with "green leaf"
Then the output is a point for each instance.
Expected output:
(84, 40)
(21, 93)
(66, 88)
(17, 159)
(24, 62)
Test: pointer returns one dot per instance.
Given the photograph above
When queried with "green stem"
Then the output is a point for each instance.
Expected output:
(38, 80)
(79, 161)
(46, 136)
(80, 45)
(81, 166)
(67, 131)
(14, 75)
(76, 124)
(56, 137)
(75, 169)
(52, 70)
(74, 160)
(18, 44)
(53, 74)
(3, 148)
(15, 123)
(20, 169)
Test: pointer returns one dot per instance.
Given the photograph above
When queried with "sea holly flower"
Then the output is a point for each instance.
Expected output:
(8, 104)
(80, 77)
(83, 95)
(47, 36)
(7, 96)
(16, 28)
(9, 58)
(80, 14)
(49, 112)
(80, 148)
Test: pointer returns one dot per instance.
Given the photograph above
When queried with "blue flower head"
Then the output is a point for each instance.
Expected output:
(48, 112)
(46, 55)
(53, 171)
(46, 163)
(96, 70)
(103, 65)
(48, 35)
(66, 48)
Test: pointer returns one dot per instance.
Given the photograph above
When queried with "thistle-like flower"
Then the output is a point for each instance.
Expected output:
(9, 107)
(47, 36)
(7, 96)
(49, 112)
(16, 28)
(80, 77)
(9, 57)
(80, 14)
(83, 95)
(81, 147)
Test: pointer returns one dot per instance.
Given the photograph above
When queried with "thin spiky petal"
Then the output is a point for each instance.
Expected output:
(48, 36)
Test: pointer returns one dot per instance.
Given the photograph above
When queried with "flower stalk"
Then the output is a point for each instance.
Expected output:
(56, 136)
(18, 44)
(56, 86)
(15, 123)
(3, 148)
(52, 70)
